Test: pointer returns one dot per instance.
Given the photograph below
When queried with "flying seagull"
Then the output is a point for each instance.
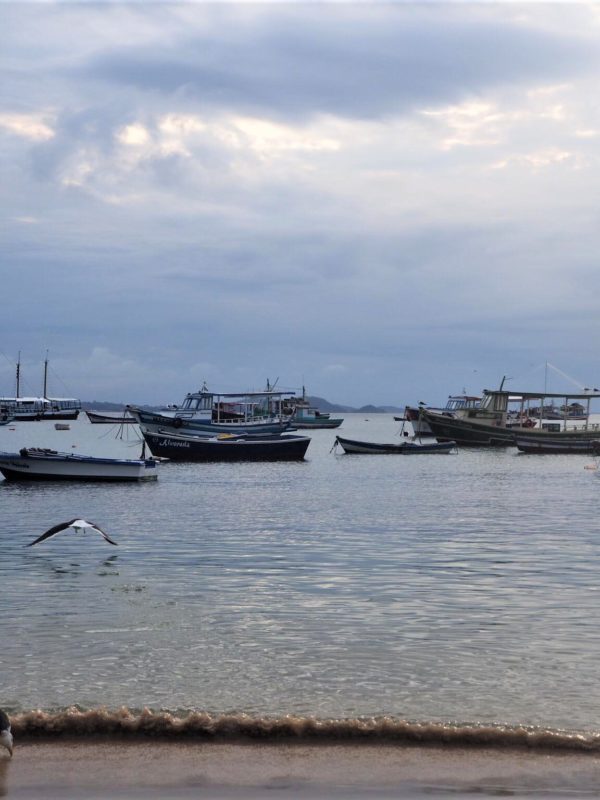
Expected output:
(77, 525)
(6, 739)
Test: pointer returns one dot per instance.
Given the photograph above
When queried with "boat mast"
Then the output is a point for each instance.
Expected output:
(44, 395)
(18, 373)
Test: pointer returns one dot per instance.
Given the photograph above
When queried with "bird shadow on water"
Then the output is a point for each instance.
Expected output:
(57, 567)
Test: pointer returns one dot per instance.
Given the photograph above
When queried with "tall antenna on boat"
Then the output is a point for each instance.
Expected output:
(18, 373)
(45, 376)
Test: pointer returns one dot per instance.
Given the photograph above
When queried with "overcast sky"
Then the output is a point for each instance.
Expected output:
(387, 202)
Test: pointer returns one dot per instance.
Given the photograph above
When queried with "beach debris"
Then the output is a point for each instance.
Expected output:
(6, 738)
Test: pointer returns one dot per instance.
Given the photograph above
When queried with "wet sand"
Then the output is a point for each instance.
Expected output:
(158, 769)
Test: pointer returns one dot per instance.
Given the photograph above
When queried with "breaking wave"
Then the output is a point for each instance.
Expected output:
(126, 723)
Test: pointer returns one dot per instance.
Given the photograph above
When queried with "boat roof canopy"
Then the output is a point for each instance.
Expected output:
(238, 394)
(516, 396)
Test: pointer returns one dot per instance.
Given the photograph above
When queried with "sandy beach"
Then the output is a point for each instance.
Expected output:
(76, 769)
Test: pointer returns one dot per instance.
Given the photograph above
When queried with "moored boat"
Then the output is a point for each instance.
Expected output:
(41, 464)
(29, 409)
(456, 406)
(98, 418)
(209, 413)
(305, 416)
(352, 446)
(544, 442)
(226, 447)
(490, 425)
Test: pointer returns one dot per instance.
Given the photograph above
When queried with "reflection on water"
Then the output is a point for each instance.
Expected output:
(431, 587)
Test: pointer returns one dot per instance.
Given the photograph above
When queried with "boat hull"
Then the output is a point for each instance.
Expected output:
(179, 424)
(557, 444)
(28, 465)
(251, 448)
(352, 446)
(110, 419)
(466, 433)
(38, 416)
(318, 423)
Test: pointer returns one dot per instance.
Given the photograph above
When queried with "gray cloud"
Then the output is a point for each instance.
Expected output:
(379, 253)
(347, 60)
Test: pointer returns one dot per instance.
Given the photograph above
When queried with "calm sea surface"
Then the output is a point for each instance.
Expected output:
(433, 588)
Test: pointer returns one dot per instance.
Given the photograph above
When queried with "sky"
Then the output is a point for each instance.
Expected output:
(385, 202)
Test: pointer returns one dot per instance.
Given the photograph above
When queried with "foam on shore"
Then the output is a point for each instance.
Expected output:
(200, 725)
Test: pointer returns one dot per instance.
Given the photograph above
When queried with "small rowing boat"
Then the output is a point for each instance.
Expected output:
(41, 464)
(352, 446)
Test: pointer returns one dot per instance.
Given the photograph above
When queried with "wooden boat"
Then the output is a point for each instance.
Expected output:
(402, 448)
(490, 425)
(210, 413)
(37, 464)
(456, 406)
(226, 447)
(97, 418)
(543, 442)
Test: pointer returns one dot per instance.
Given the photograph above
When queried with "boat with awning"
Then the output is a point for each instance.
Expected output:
(206, 412)
(491, 425)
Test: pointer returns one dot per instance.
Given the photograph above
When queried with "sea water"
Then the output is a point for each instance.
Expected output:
(444, 592)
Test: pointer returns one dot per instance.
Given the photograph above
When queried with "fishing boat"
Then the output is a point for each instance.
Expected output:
(210, 413)
(29, 409)
(307, 416)
(41, 464)
(98, 418)
(402, 448)
(491, 425)
(457, 406)
(227, 446)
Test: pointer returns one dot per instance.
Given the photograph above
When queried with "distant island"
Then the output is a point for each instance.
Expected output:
(316, 402)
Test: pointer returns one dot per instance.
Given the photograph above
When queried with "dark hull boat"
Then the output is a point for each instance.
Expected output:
(227, 447)
(403, 448)
(464, 432)
(36, 464)
(586, 443)
(490, 424)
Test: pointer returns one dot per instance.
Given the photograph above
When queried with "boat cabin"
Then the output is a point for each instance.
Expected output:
(532, 407)
(231, 407)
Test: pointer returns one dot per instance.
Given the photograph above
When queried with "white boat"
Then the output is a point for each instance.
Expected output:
(99, 418)
(29, 409)
(38, 464)
(207, 413)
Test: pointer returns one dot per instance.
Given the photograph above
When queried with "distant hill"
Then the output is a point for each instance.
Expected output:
(325, 405)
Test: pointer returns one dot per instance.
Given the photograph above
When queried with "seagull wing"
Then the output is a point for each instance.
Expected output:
(4, 721)
(101, 532)
(56, 529)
